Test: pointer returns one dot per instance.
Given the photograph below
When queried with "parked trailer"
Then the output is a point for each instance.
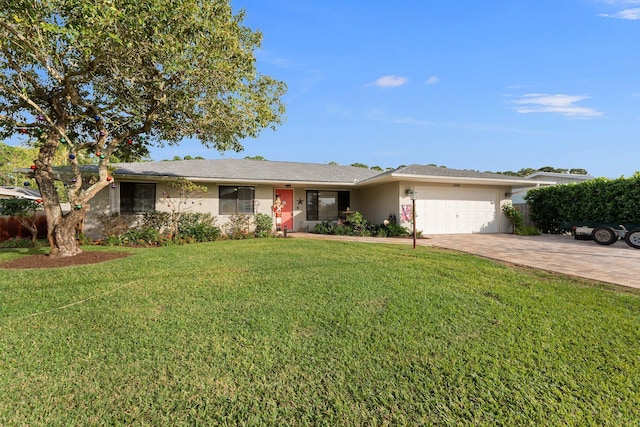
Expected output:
(608, 235)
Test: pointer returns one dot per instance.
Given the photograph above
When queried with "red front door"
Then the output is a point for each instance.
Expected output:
(286, 196)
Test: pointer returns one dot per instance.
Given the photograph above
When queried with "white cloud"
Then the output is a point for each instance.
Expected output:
(391, 81)
(433, 80)
(557, 104)
(632, 14)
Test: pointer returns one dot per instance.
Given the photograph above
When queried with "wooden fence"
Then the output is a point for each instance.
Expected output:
(10, 228)
(523, 208)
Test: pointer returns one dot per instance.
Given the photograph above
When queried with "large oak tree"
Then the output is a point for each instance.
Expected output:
(91, 76)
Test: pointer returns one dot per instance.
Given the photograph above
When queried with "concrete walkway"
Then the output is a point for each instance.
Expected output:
(617, 264)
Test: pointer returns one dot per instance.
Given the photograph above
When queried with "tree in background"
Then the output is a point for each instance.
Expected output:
(184, 190)
(24, 211)
(97, 77)
(578, 171)
(360, 165)
(528, 171)
(12, 158)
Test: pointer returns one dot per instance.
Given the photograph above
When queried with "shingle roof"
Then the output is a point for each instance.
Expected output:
(20, 192)
(274, 171)
(437, 171)
(248, 170)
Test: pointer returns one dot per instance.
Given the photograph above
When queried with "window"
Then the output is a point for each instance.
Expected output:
(236, 200)
(326, 205)
(136, 197)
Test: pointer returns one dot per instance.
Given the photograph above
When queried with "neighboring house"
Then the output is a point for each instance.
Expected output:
(553, 177)
(10, 227)
(9, 192)
(447, 200)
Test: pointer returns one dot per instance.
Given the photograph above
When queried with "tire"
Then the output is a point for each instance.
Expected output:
(604, 235)
(633, 238)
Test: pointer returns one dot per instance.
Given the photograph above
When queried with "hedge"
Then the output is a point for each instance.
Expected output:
(599, 200)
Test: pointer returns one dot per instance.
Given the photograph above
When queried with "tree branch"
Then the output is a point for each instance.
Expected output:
(32, 49)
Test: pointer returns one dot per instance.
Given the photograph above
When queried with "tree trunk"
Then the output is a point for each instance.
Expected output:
(65, 243)
(61, 228)
(30, 224)
(33, 228)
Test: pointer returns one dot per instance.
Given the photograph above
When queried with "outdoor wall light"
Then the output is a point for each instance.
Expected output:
(411, 193)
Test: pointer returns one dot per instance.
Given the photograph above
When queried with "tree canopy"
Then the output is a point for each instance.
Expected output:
(529, 171)
(12, 158)
(113, 77)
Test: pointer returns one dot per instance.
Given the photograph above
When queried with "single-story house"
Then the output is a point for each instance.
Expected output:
(554, 177)
(446, 200)
(10, 192)
(10, 227)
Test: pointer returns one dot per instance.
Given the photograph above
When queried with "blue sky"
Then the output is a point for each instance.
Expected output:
(484, 85)
(488, 86)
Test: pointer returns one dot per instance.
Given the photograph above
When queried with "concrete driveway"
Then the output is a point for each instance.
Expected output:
(618, 264)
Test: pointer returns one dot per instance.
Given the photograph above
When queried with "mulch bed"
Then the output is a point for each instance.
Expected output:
(44, 261)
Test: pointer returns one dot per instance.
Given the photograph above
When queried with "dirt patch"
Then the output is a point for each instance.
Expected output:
(44, 261)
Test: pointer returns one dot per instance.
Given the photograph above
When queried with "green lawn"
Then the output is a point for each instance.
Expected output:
(301, 332)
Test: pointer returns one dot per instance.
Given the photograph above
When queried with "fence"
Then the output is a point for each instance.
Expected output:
(523, 208)
(11, 228)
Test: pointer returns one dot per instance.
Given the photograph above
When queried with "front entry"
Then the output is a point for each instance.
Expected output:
(286, 199)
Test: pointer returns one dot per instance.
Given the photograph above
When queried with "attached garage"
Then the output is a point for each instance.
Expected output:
(457, 210)
(447, 201)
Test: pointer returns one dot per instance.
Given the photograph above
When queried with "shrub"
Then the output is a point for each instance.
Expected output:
(324, 227)
(527, 230)
(395, 230)
(198, 227)
(599, 200)
(84, 240)
(192, 227)
(200, 233)
(158, 220)
(115, 225)
(342, 230)
(141, 236)
(514, 215)
(112, 241)
(263, 225)
(358, 224)
(238, 226)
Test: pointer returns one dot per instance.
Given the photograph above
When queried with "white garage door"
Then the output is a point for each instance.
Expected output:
(457, 210)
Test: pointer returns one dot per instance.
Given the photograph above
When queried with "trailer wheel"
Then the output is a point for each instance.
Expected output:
(633, 238)
(604, 235)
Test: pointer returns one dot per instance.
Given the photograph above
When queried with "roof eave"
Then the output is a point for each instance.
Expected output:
(222, 180)
(455, 180)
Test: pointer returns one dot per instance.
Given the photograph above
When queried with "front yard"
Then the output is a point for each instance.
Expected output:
(301, 332)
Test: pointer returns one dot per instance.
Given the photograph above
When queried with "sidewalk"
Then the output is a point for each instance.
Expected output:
(617, 264)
